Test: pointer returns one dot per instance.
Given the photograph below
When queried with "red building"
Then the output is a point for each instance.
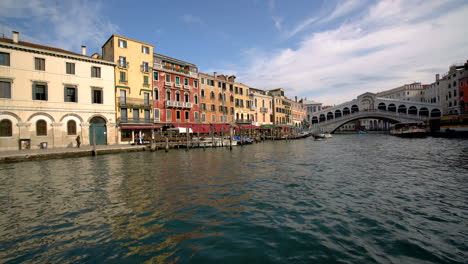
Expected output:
(176, 92)
(463, 95)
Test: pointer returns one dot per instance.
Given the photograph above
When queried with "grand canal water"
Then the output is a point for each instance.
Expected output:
(351, 199)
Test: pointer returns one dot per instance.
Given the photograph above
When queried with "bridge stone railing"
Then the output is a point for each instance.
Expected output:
(333, 124)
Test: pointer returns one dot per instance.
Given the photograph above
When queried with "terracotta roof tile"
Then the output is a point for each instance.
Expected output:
(37, 46)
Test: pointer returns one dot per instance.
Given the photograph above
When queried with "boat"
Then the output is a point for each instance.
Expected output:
(454, 125)
(409, 130)
(213, 142)
(328, 135)
(361, 132)
(319, 136)
(243, 140)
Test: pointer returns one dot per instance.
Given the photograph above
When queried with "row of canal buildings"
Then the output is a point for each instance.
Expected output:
(52, 95)
(49, 95)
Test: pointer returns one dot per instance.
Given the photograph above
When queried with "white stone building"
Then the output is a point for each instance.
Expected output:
(407, 92)
(49, 96)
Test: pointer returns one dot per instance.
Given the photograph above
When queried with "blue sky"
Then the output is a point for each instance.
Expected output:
(329, 51)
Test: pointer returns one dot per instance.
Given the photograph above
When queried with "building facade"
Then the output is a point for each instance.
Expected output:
(311, 108)
(263, 114)
(463, 95)
(244, 109)
(175, 91)
(298, 111)
(407, 92)
(216, 98)
(133, 87)
(49, 96)
(445, 90)
(282, 114)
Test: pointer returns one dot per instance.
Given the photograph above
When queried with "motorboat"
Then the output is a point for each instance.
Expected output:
(213, 142)
(328, 135)
(409, 130)
(319, 136)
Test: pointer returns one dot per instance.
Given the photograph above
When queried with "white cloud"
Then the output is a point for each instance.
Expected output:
(66, 25)
(343, 8)
(338, 64)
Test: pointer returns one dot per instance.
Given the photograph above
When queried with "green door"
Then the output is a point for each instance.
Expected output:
(98, 132)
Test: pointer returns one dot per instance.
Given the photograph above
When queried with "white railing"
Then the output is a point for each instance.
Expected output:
(169, 84)
(178, 85)
(179, 104)
(186, 86)
(263, 109)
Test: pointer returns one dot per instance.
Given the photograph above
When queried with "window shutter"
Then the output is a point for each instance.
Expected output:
(33, 90)
(76, 94)
(46, 92)
(65, 94)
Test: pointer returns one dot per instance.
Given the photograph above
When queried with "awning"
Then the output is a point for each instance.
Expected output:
(140, 127)
(247, 127)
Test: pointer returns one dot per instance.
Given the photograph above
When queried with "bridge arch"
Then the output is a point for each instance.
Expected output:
(382, 107)
(330, 116)
(435, 112)
(354, 108)
(423, 111)
(315, 120)
(337, 113)
(346, 111)
(340, 124)
(391, 108)
(402, 109)
(322, 118)
(412, 110)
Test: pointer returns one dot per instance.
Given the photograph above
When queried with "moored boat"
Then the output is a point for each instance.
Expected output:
(409, 130)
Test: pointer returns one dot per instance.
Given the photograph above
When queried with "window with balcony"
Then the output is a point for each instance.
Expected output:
(147, 115)
(96, 72)
(123, 115)
(5, 89)
(4, 59)
(168, 115)
(70, 94)
(39, 91)
(146, 98)
(136, 114)
(41, 128)
(122, 43)
(186, 97)
(177, 96)
(187, 119)
(168, 94)
(145, 50)
(122, 62)
(155, 76)
(70, 68)
(97, 96)
(39, 64)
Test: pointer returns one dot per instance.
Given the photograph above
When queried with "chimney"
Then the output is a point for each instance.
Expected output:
(83, 50)
(215, 74)
(437, 77)
(295, 98)
(15, 36)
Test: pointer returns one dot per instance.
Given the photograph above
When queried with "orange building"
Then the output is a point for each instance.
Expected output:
(216, 98)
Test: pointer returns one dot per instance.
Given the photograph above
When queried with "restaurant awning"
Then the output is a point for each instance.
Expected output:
(140, 127)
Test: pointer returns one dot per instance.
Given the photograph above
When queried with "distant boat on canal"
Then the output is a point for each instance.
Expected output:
(412, 130)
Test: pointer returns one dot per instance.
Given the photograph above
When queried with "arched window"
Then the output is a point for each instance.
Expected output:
(41, 128)
(220, 96)
(212, 95)
(263, 103)
(232, 98)
(168, 95)
(186, 97)
(6, 128)
(224, 97)
(177, 96)
(71, 127)
(255, 102)
(196, 99)
(202, 93)
(156, 94)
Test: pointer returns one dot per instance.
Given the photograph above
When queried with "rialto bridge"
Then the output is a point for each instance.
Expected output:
(369, 106)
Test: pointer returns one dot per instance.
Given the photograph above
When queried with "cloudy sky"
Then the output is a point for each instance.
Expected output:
(328, 51)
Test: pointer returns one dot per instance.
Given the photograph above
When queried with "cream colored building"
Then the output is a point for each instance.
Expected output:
(49, 96)
(263, 107)
(133, 85)
(244, 109)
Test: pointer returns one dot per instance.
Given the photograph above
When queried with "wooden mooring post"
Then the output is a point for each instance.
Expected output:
(167, 144)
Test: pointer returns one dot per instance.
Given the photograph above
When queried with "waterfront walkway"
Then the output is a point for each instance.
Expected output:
(53, 153)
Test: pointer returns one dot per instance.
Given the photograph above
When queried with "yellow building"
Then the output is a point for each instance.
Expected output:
(133, 84)
(244, 109)
(282, 114)
(49, 96)
(217, 100)
(298, 112)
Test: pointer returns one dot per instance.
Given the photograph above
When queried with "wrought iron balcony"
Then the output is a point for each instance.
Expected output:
(177, 104)
(263, 109)
(122, 64)
(124, 120)
(244, 121)
(125, 101)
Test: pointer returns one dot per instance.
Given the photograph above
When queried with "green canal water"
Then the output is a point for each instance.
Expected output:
(351, 199)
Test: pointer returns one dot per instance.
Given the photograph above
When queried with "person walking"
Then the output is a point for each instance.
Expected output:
(78, 141)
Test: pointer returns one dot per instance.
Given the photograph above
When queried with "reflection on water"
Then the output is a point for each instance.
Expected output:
(353, 199)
